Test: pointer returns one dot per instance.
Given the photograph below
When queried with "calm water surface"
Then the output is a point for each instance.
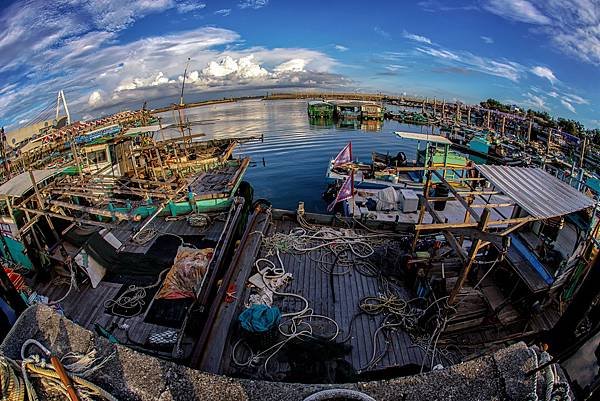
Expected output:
(290, 165)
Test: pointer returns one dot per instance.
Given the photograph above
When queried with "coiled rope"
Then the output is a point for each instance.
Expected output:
(133, 299)
(297, 326)
(15, 377)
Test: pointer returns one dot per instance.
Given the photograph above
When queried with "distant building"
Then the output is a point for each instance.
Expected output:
(34, 130)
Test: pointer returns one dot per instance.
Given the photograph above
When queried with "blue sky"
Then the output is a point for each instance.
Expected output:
(109, 55)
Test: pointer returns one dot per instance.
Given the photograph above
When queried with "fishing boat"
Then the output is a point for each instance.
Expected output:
(397, 171)
(320, 109)
(311, 284)
(371, 111)
(347, 110)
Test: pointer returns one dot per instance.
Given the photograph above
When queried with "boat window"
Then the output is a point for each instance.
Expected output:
(98, 156)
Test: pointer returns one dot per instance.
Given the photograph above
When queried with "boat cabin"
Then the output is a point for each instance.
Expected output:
(371, 111)
(436, 148)
(320, 109)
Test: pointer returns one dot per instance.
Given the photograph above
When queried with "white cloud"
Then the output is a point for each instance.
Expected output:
(382, 33)
(416, 38)
(95, 98)
(23, 121)
(294, 65)
(224, 12)
(573, 27)
(487, 39)
(341, 48)
(568, 106)
(144, 82)
(394, 67)
(535, 101)
(189, 6)
(544, 72)
(255, 4)
(517, 10)
(439, 53)
(498, 67)
(242, 68)
(572, 98)
(144, 69)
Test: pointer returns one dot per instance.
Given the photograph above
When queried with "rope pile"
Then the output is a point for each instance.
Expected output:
(17, 378)
(297, 326)
(133, 299)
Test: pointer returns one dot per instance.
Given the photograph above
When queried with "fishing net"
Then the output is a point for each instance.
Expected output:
(188, 269)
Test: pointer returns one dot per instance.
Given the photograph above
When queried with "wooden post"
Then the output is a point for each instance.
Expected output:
(444, 110)
(469, 117)
(503, 124)
(485, 216)
(582, 152)
(422, 211)
(549, 142)
(42, 206)
(529, 131)
(489, 116)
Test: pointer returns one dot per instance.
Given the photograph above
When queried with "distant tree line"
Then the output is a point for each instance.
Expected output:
(545, 120)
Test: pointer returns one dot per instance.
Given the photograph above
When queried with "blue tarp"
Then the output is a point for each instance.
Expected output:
(531, 258)
(260, 318)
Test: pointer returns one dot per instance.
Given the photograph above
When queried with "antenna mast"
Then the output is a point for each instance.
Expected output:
(187, 65)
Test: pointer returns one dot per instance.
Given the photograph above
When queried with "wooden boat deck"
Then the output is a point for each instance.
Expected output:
(180, 227)
(339, 302)
(85, 307)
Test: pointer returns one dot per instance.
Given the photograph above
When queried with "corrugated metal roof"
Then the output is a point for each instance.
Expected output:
(21, 183)
(539, 193)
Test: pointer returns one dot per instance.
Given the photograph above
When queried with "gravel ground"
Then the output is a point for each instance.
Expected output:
(131, 375)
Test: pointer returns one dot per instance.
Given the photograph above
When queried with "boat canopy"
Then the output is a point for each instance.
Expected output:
(17, 186)
(424, 137)
(536, 191)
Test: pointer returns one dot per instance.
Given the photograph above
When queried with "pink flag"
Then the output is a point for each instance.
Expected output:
(346, 191)
(344, 156)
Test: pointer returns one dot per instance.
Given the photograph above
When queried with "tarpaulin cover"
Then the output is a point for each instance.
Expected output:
(387, 199)
(187, 272)
(260, 318)
(124, 262)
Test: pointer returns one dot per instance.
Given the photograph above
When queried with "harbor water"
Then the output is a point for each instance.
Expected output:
(290, 164)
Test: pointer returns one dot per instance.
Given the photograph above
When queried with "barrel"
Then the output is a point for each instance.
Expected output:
(441, 191)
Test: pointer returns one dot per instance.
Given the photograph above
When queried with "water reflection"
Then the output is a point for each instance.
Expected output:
(296, 150)
(321, 122)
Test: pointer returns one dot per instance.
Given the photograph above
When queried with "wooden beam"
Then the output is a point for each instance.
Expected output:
(418, 168)
(492, 205)
(96, 211)
(492, 238)
(68, 218)
(459, 198)
(447, 234)
(485, 216)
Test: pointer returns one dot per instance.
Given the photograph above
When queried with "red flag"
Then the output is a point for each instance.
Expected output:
(344, 156)
(346, 191)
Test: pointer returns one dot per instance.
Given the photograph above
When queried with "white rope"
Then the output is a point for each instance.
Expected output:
(133, 298)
